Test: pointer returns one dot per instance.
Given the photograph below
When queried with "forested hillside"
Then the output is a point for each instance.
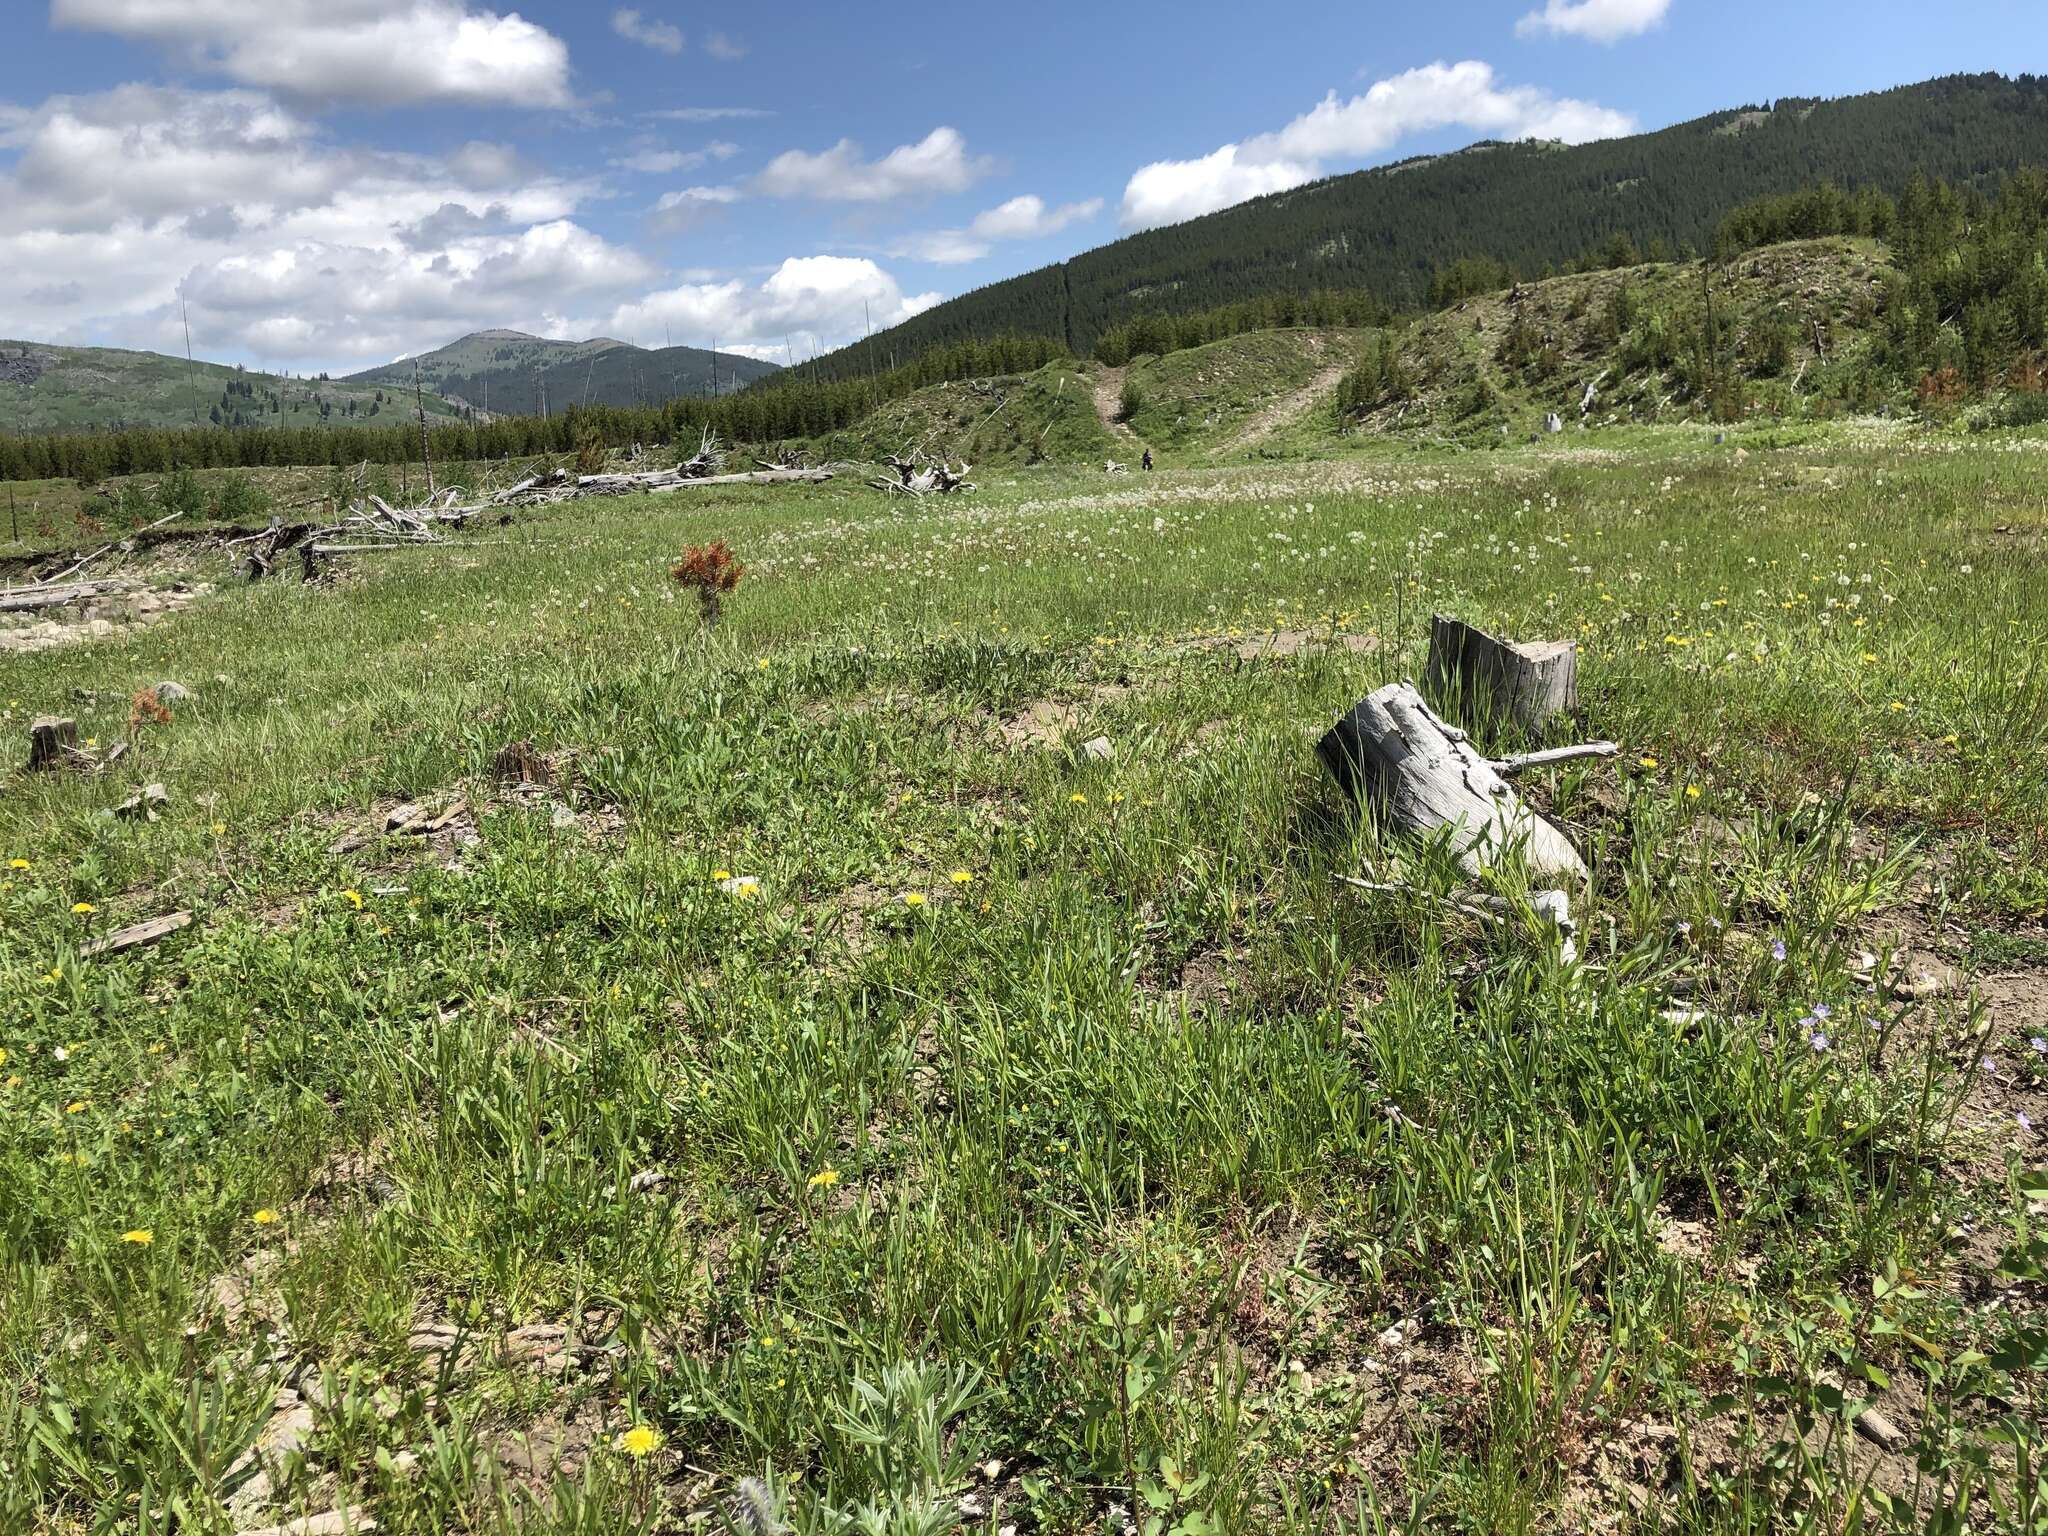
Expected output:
(1534, 208)
(509, 373)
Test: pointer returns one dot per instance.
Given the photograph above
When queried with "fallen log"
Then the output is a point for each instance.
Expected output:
(1479, 677)
(34, 599)
(139, 934)
(1393, 754)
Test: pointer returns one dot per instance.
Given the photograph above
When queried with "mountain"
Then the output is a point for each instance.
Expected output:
(507, 372)
(45, 388)
(1536, 206)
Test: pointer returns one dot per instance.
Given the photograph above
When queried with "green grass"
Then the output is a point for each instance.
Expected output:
(1135, 1166)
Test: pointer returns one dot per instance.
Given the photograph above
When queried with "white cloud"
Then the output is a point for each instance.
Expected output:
(1465, 95)
(379, 52)
(1603, 21)
(658, 35)
(706, 114)
(1027, 218)
(937, 163)
(1021, 218)
(814, 299)
(666, 162)
(294, 251)
(686, 208)
(725, 47)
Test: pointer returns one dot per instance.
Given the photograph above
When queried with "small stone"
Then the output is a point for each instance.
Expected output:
(172, 693)
(333, 1523)
(1098, 749)
(534, 1342)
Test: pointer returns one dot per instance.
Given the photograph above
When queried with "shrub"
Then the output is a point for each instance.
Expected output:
(1131, 401)
(711, 569)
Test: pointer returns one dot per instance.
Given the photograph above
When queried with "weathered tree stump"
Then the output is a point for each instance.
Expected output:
(1393, 754)
(518, 763)
(1480, 678)
(51, 742)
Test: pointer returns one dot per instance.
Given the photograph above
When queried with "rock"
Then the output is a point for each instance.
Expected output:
(1922, 982)
(283, 1437)
(99, 629)
(1879, 1430)
(1098, 749)
(144, 804)
(535, 1343)
(172, 693)
(333, 1523)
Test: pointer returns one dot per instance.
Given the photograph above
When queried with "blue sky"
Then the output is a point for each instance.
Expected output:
(334, 183)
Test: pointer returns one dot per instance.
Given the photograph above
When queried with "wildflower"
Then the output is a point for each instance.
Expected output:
(1684, 929)
(82, 908)
(75, 1107)
(1646, 761)
(265, 1217)
(913, 898)
(1078, 798)
(1951, 740)
(824, 1178)
(2039, 1044)
(220, 829)
(640, 1440)
(1897, 706)
(17, 864)
(142, 1237)
(1692, 791)
(1823, 1011)
(962, 876)
(353, 898)
(2025, 1123)
(1819, 1042)
(746, 887)
(721, 874)
(1777, 949)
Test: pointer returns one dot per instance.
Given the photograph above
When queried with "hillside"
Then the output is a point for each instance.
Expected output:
(58, 389)
(1535, 206)
(507, 372)
(1046, 416)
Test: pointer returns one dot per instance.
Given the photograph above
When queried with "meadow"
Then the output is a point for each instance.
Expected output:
(837, 1078)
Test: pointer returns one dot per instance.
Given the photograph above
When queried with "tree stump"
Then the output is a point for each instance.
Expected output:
(1394, 755)
(1476, 677)
(51, 741)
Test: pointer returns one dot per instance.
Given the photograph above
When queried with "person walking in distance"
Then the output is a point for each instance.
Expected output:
(1148, 458)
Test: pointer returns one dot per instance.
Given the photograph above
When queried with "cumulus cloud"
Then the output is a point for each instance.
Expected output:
(725, 47)
(688, 206)
(937, 163)
(658, 35)
(1464, 95)
(376, 52)
(818, 299)
(1021, 218)
(293, 250)
(1602, 21)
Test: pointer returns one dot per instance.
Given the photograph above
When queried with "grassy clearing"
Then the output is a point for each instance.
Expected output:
(837, 1082)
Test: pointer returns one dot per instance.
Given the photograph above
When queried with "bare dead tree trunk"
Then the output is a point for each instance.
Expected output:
(1481, 678)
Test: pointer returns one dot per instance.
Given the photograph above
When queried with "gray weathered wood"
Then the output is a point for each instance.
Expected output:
(33, 599)
(1392, 753)
(139, 934)
(1480, 677)
(1550, 757)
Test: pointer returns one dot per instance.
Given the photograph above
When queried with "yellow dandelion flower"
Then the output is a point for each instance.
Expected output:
(83, 908)
(266, 1217)
(1870, 658)
(3, 1055)
(17, 864)
(1646, 762)
(220, 829)
(1078, 799)
(1897, 706)
(721, 874)
(142, 1237)
(824, 1178)
(75, 1107)
(353, 898)
(959, 877)
(1692, 791)
(640, 1440)
(913, 898)
(1950, 740)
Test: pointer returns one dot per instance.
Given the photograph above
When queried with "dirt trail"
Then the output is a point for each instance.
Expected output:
(1286, 410)
(1109, 393)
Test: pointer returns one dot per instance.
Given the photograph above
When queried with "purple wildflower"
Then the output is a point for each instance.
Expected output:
(2040, 1045)
(2025, 1123)
(1819, 1042)
(1777, 949)
(1823, 1011)
(1684, 929)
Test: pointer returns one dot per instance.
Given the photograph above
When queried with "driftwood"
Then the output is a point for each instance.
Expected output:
(140, 934)
(1394, 754)
(144, 804)
(918, 475)
(1481, 678)
(33, 599)
(52, 743)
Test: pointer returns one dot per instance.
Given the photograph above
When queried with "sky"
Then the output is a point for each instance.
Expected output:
(335, 184)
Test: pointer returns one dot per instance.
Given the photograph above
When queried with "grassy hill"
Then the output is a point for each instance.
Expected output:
(507, 372)
(1535, 206)
(47, 388)
(1047, 416)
